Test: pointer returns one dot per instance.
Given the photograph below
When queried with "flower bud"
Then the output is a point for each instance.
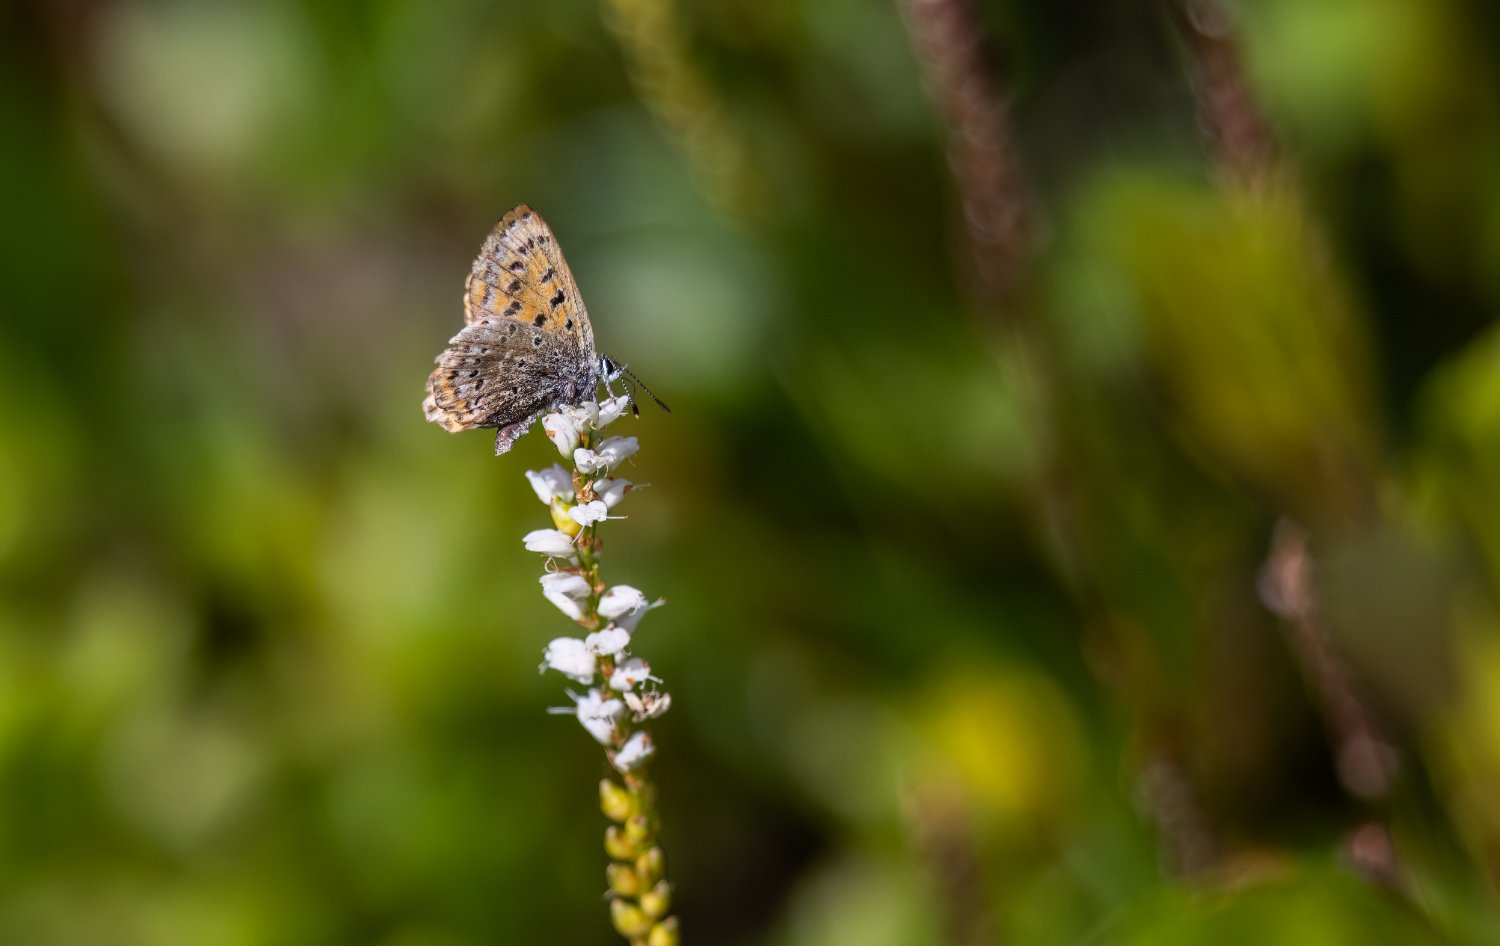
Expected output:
(664, 933)
(560, 518)
(657, 901)
(629, 921)
(618, 846)
(650, 866)
(622, 880)
(638, 829)
(616, 803)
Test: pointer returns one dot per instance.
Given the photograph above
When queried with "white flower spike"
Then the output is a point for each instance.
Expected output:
(616, 711)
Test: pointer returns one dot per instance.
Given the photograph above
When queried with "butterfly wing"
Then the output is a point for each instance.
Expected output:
(504, 376)
(520, 276)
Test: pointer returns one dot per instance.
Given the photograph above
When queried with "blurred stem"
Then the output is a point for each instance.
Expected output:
(1243, 145)
(654, 41)
(1366, 761)
(949, 42)
(1245, 155)
(942, 825)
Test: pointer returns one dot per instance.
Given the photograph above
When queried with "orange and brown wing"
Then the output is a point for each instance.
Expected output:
(520, 275)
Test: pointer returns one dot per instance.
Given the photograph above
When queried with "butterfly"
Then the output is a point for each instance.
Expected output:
(526, 344)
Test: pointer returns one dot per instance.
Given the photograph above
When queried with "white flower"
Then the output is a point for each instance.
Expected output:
(587, 460)
(567, 591)
(612, 490)
(637, 749)
(630, 674)
(562, 430)
(649, 705)
(571, 657)
(610, 452)
(611, 408)
(598, 714)
(608, 642)
(586, 514)
(615, 449)
(584, 415)
(625, 606)
(551, 483)
(621, 599)
(552, 542)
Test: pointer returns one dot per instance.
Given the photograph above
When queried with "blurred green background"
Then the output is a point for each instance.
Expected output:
(963, 525)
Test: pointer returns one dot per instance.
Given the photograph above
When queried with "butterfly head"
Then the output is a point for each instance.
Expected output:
(610, 372)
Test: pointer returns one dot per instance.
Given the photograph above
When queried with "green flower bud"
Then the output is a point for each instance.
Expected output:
(622, 880)
(650, 866)
(560, 518)
(657, 901)
(638, 829)
(618, 846)
(664, 933)
(616, 803)
(629, 921)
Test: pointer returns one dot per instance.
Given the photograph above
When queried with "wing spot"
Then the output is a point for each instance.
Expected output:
(511, 330)
(536, 341)
(557, 300)
(539, 321)
(514, 287)
(547, 276)
(568, 325)
(516, 266)
(512, 309)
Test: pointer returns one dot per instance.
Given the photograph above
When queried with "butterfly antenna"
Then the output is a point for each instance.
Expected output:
(643, 387)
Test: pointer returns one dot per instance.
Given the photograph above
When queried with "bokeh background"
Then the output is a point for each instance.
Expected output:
(1079, 515)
